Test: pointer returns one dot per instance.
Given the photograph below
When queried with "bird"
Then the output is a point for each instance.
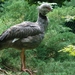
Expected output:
(26, 35)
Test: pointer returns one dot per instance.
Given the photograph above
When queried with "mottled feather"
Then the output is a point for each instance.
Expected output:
(21, 30)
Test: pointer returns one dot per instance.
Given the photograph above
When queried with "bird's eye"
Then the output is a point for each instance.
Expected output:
(48, 8)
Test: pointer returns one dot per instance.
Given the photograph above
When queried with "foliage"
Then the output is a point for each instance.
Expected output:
(69, 18)
(70, 22)
(56, 1)
(70, 49)
(57, 37)
(71, 3)
(51, 68)
(15, 11)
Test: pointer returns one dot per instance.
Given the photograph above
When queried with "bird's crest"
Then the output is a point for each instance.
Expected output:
(46, 3)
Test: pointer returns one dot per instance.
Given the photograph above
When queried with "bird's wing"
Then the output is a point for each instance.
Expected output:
(22, 30)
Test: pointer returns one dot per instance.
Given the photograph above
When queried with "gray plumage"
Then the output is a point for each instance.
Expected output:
(22, 30)
(26, 34)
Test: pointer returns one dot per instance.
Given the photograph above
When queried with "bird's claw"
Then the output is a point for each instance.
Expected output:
(27, 70)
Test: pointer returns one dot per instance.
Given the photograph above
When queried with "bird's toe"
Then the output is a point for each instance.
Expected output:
(27, 70)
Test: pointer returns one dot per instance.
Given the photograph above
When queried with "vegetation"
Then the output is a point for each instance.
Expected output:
(57, 1)
(70, 49)
(46, 59)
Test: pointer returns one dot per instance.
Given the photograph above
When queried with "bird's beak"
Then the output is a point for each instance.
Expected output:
(51, 9)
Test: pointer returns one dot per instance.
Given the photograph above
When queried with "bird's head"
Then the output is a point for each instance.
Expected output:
(44, 8)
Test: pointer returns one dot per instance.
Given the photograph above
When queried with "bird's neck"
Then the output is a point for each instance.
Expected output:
(42, 21)
(42, 16)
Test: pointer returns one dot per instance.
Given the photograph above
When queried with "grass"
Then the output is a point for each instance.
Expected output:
(50, 68)
(60, 68)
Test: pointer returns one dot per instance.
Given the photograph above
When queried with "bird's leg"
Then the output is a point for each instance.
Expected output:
(23, 67)
(22, 60)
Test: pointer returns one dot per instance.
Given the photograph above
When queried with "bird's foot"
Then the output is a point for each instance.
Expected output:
(27, 70)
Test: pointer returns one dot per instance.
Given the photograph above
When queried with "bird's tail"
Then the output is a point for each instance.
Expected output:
(1, 46)
(2, 37)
